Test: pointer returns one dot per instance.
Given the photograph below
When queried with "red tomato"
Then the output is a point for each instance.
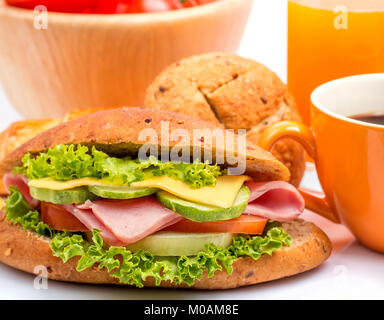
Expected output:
(60, 219)
(108, 6)
(205, 1)
(194, 3)
(137, 6)
(244, 224)
(72, 6)
(190, 3)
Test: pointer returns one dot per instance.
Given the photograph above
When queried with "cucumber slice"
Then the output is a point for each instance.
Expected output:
(166, 243)
(76, 195)
(200, 212)
(120, 192)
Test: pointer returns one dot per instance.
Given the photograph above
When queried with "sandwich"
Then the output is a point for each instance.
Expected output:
(106, 199)
(232, 92)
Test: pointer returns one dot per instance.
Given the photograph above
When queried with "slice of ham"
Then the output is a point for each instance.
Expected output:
(276, 200)
(20, 182)
(87, 218)
(134, 219)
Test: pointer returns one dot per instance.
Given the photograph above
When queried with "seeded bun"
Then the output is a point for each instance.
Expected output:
(117, 132)
(310, 247)
(233, 92)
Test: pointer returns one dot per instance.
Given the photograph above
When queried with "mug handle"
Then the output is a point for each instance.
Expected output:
(314, 201)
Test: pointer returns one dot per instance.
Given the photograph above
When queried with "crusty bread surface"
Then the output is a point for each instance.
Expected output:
(118, 131)
(231, 91)
(310, 247)
(18, 133)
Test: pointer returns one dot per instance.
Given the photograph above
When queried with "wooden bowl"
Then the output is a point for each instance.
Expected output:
(84, 61)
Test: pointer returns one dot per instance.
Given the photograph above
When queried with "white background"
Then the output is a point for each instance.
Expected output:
(352, 273)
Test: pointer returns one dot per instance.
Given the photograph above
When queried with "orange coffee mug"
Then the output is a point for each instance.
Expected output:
(348, 153)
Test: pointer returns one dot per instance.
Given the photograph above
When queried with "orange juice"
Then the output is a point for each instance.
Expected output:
(329, 39)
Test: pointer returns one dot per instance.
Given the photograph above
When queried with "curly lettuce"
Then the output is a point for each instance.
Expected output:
(134, 268)
(70, 162)
(20, 212)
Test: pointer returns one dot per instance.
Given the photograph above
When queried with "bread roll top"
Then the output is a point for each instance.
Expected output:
(124, 131)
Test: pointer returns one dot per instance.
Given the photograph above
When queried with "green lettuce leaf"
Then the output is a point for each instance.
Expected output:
(69, 162)
(16, 205)
(135, 268)
(20, 212)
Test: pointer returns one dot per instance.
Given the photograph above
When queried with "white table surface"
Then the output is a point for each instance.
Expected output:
(354, 272)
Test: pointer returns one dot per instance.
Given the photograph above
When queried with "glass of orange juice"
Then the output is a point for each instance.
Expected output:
(329, 39)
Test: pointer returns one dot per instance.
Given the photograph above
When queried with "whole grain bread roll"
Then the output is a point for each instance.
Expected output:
(233, 92)
(24, 250)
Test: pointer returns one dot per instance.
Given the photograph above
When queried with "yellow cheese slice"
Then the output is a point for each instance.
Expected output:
(2, 204)
(222, 195)
(48, 183)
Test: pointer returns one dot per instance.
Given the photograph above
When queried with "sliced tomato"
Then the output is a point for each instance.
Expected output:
(60, 219)
(244, 224)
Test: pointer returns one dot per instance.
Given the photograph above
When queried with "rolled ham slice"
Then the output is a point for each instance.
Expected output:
(20, 182)
(276, 200)
(132, 220)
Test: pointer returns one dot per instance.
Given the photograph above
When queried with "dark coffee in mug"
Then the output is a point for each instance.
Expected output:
(374, 117)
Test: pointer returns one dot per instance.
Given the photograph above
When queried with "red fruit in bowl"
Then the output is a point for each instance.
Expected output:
(137, 6)
(72, 6)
